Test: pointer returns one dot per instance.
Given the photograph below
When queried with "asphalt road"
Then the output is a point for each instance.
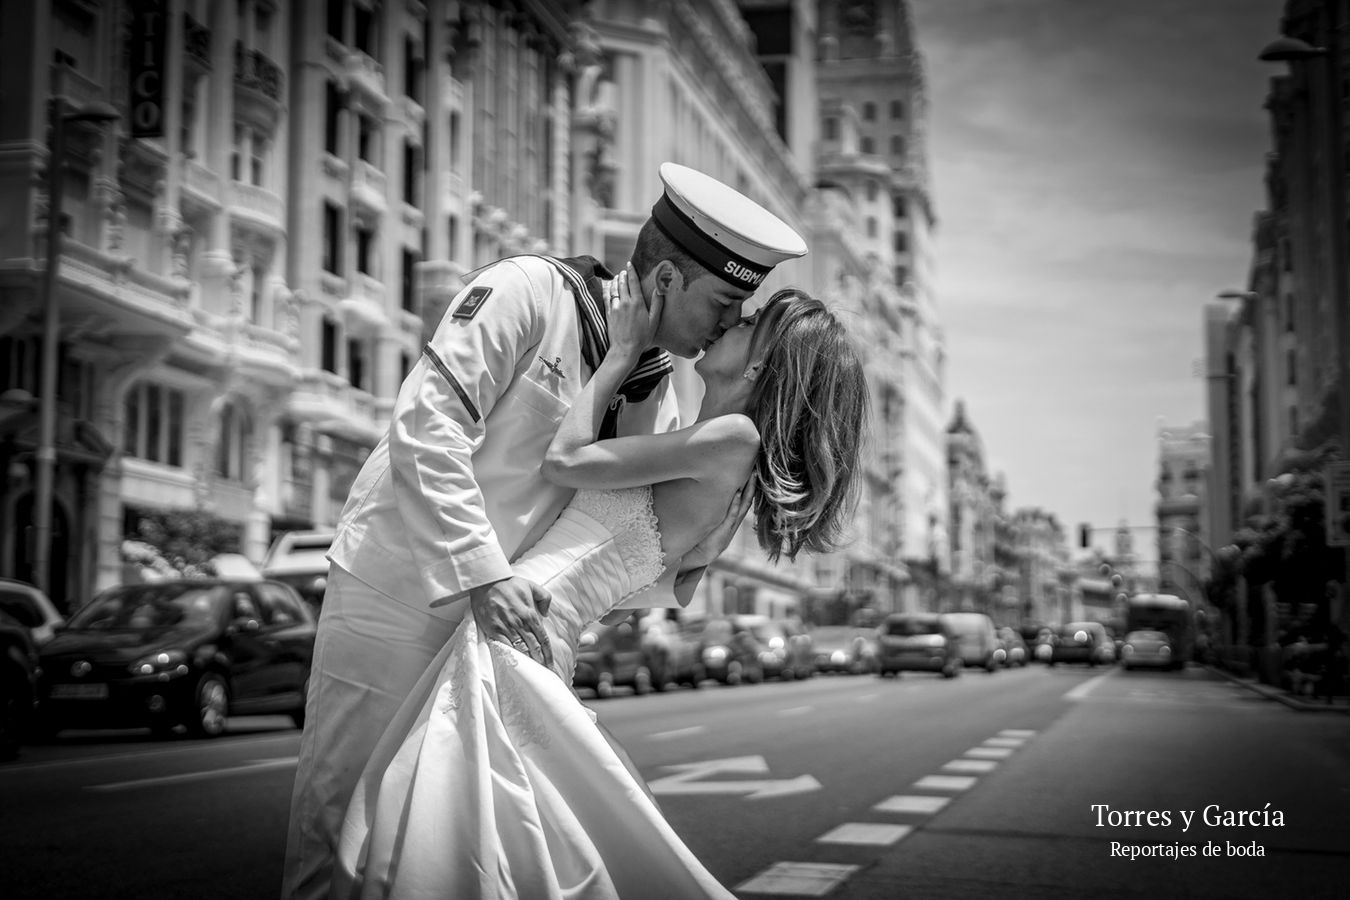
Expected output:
(859, 787)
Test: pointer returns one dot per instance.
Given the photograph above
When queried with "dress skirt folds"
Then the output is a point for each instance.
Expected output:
(494, 781)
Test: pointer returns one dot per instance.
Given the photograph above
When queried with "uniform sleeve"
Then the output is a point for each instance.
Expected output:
(438, 423)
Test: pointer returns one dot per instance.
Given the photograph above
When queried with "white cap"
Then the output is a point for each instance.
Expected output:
(731, 235)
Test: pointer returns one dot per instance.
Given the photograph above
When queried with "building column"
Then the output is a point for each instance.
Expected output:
(217, 264)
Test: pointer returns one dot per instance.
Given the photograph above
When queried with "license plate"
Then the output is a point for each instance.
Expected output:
(79, 691)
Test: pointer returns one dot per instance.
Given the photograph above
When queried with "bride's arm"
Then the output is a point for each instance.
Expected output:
(576, 459)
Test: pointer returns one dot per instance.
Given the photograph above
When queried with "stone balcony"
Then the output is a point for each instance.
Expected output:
(329, 403)
(363, 311)
(201, 184)
(257, 206)
(258, 83)
(367, 76)
(368, 188)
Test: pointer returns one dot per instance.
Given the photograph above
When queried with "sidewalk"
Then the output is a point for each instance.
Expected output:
(1339, 704)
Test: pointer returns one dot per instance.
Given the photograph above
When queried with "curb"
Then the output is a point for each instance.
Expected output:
(1282, 696)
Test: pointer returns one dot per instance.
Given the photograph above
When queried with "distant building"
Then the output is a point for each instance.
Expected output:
(1045, 576)
(1183, 534)
(978, 581)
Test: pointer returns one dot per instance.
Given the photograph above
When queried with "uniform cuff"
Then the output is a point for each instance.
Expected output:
(453, 578)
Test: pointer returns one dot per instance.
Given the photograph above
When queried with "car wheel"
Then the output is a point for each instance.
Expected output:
(733, 673)
(211, 709)
(604, 686)
(298, 716)
(642, 681)
(696, 679)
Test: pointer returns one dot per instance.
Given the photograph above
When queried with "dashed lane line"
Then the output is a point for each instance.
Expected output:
(256, 765)
(923, 804)
(871, 834)
(970, 765)
(946, 782)
(798, 879)
(989, 752)
(677, 733)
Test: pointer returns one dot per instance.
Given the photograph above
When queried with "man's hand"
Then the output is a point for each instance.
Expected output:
(717, 540)
(510, 611)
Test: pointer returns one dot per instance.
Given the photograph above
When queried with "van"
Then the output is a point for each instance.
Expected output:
(977, 641)
(300, 559)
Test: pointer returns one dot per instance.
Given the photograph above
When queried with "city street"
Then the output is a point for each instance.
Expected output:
(846, 787)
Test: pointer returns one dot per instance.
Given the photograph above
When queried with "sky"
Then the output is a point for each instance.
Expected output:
(1096, 167)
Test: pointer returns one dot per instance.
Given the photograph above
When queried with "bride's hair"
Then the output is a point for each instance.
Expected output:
(809, 403)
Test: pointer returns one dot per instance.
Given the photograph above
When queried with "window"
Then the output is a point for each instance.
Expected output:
(901, 274)
(897, 145)
(412, 70)
(366, 37)
(256, 157)
(407, 280)
(871, 227)
(1293, 420)
(898, 206)
(871, 191)
(869, 111)
(337, 15)
(866, 145)
(329, 346)
(455, 160)
(153, 424)
(901, 242)
(332, 238)
(366, 132)
(405, 363)
(897, 109)
(365, 251)
(1291, 361)
(452, 237)
(237, 153)
(332, 118)
(831, 128)
(232, 446)
(279, 606)
(256, 295)
(356, 364)
(411, 173)
(1288, 312)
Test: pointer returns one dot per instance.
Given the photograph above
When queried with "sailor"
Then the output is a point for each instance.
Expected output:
(454, 491)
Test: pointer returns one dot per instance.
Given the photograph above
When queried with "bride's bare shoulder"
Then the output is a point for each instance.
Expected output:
(731, 431)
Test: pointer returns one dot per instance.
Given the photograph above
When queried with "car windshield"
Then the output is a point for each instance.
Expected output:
(144, 607)
(912, 627)
(21, 607)
(717, 630)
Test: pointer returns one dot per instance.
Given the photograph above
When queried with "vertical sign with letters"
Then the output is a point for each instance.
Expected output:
(149, 26)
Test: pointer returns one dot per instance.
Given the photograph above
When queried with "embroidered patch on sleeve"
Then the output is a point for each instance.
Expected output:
(470, 305)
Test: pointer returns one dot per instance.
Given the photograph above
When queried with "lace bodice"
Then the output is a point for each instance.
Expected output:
(603, 548)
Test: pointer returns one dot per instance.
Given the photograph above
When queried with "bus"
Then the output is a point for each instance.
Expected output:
(1167, 613)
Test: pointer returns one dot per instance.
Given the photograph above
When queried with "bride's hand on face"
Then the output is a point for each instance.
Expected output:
(632, 326)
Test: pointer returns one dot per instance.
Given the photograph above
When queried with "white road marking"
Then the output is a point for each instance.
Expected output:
(685, 780)
(256, 765)
(863, 698)
(1004, 742)
(1086, 687)
(989, 752)
(946, 782)
(795, 710)
(678, 732)
(912, 803)
(798, 879)
(869, 833)
(970, 765)
(1017, 733)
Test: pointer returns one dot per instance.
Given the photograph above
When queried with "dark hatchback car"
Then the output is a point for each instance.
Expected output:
(730, 655)
(1083, 642)
(610, 656)
(18, 682)
(918, 642)
(190, 652)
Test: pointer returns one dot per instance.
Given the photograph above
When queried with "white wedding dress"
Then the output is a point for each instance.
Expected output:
(494, 780)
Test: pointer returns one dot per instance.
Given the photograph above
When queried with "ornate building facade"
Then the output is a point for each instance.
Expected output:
(241, 294)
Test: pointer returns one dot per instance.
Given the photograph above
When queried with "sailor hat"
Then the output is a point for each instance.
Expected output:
(731, 235)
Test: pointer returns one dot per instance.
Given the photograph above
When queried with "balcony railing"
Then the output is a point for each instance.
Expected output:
(254, 71)
(197, 42)
(259, 205)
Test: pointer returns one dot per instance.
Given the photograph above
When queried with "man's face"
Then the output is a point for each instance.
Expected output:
(697, 313)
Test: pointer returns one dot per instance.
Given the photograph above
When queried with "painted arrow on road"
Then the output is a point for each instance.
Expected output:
(686, 779)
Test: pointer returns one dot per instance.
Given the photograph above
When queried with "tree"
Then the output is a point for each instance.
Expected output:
(185, 539)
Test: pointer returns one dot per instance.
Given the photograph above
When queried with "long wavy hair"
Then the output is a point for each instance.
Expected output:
(810, 405)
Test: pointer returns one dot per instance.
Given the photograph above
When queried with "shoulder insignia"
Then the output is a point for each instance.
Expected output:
(469, 306)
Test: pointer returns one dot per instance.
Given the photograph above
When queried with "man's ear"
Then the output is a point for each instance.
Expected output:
(667, 276)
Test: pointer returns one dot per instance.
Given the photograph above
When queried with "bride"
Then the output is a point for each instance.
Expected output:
(493, 780)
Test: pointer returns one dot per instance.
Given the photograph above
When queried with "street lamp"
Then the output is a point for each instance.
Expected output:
(60, 113)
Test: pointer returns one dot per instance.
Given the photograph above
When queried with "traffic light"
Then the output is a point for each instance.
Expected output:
(1085, 536)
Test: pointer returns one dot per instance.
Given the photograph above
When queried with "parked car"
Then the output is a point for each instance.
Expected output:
(1040, 640)
(190, 652)
(1082, 642)
(30, 607)
(844, 649)
(300, 559)
(672, 654)
(977, 641)
(18, 682)
(610, 656)
(1147, 649)
(787, 647)
(917, 642)
(1013, 649)
(730, 655)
